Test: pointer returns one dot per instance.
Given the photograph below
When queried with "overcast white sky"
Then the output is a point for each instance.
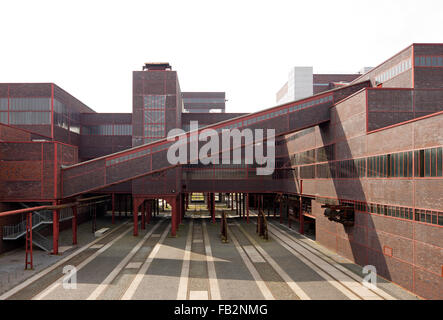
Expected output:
(245, 48)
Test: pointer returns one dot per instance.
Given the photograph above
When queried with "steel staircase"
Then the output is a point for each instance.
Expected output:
(39, 220)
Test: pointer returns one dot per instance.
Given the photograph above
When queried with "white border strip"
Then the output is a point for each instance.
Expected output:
(291, 283)
(44, 272)
(105, 283)
(139, 277)
(212, 275)
(258, 280)
(184, 277)
(58, 282)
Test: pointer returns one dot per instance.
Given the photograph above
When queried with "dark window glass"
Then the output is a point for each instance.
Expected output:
(400, 164)
(439, 162)
(427, 162)
(433, 162)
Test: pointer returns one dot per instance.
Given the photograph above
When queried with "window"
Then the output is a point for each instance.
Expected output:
(154, 117)
(29, 117)
(429, 61)
(428, 162)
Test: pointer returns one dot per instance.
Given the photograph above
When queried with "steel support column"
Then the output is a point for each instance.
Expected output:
(173, 217)
(301, 218)
(55, 231)
(29, 258)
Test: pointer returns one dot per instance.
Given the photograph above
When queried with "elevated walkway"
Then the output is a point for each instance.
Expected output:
(150, 158)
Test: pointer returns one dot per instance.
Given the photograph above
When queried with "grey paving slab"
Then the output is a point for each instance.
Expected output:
(309, 281)
(93, 274)
(163, 276)
(234, 279)
(386, 285)
(198, 271)
(278, 287)
(124, 279)
(42, 260)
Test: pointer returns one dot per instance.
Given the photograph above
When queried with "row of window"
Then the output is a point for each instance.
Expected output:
(203, 100)
(274, 114)
(321, 154)
(429, 61)
(25, 104)
(154, 101)
(154, 116)
(24, 117)
(428, 163)
(65, 117)
(421, 215)
(427, 216)
(394, 71)
(154, 130)
(108, 130)
(391, 165)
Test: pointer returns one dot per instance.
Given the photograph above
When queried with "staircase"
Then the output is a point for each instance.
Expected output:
(39, 220)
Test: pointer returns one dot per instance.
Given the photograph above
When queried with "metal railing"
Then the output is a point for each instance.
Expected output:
(16, 231)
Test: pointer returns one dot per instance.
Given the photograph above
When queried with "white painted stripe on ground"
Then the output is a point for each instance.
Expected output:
(258, 280)
(213, 281)
(253, 254)
(105, 283)
(184, 277)
(133, 265)
(44, 272)
(377, 290)
(139, 277)
(347, 281)
(58, 282)
(198, 295)
(314, 267)
(290, 282)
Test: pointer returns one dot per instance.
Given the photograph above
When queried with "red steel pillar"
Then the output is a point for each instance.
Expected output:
(232, 201)
(302, 218)
(281, 209)
(173, 217)
(55, 231)
(29, 261)
(74, 225)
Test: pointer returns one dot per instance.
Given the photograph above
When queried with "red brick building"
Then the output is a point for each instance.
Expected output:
(361, 163)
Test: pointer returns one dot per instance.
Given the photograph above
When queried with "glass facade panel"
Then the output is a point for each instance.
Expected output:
(154, 117)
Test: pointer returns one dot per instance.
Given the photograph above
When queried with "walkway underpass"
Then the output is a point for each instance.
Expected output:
(196, 264)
